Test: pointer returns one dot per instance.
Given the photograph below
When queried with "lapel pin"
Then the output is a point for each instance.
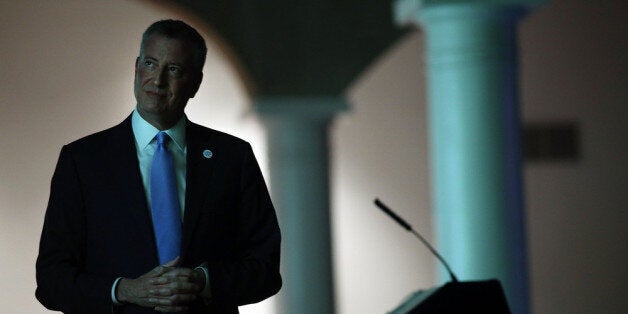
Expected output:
(208, 153)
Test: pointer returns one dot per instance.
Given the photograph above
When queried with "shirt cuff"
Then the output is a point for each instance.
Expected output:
(113, 292)
(206, 293)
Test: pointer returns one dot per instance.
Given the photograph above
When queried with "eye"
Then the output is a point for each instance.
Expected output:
(175, 70)
(149, 64)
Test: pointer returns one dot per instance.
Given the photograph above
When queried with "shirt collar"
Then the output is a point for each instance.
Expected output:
(144, 132)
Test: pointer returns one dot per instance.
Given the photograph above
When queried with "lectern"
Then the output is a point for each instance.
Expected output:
(457, 297)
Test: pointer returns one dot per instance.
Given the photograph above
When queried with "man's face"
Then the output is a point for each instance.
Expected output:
(165, 78)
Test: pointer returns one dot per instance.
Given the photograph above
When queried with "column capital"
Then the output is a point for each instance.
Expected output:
(300, 107)
(408, 12)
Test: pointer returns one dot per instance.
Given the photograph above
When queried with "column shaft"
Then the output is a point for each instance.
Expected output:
(474, 138)
(299, 183)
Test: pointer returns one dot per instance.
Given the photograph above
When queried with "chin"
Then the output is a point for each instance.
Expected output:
(152, 105)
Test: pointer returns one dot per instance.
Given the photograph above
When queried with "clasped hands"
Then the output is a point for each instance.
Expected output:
(166, 288)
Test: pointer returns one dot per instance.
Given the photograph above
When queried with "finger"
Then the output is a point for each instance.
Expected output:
(161, 280)
(166, 305)
(162, 292)
(157, 271)
(177, 275)
(174, 300)
(173, 262)
(171, 309)
(175, 288)
(181, 273)
(185, 288)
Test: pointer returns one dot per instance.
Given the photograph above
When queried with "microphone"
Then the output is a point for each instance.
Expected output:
(407, 226)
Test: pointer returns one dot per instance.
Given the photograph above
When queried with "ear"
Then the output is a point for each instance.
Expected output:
(137, 61)
(197, 84)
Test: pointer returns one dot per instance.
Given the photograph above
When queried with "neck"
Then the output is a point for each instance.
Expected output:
(160, 123)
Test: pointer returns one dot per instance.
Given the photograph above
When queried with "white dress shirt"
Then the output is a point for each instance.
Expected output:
(145, 145)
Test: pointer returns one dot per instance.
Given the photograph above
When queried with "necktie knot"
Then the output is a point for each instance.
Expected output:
(162, 138)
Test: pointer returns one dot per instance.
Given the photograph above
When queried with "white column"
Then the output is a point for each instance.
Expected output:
(475, 137)
(298, 154)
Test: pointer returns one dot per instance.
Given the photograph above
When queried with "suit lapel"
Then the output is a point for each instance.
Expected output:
(125, 169)
(199, 171)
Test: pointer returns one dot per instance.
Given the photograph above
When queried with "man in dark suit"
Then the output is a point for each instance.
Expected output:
(101, 243)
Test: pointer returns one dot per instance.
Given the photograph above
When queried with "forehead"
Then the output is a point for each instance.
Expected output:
(167, 49)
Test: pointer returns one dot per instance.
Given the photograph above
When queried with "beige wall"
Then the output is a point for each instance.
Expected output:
(67, 71)
(574, 67)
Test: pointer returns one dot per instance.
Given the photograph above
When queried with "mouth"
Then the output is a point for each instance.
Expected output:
(155, 94)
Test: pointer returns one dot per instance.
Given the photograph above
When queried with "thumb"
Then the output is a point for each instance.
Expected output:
(162, 269)
(173, 263)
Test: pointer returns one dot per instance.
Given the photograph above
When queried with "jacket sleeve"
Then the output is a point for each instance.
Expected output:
(62, 282)
(254, 275)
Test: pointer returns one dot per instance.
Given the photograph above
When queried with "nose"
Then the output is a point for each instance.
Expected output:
(160, 78)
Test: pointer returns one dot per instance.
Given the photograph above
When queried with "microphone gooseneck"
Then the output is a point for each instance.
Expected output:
(408, 227)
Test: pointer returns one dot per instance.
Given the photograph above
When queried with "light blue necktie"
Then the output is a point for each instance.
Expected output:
(165, 202)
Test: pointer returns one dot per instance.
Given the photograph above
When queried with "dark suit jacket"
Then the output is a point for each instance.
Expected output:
(98, 225)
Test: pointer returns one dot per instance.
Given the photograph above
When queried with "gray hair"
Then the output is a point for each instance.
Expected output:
(179, 30)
